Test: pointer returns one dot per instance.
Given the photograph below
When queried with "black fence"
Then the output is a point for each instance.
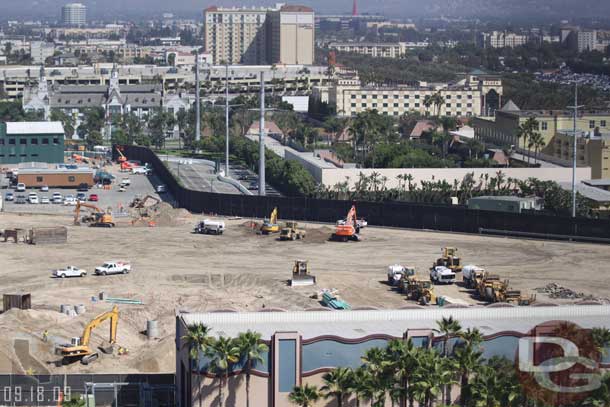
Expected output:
(125, 390)
(452, 218)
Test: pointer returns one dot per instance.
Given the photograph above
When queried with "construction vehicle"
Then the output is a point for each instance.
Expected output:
(471, 274)
(79, 346)
(442, 275)
(292, 232)
(492, 288)
(139, 203)
(421, 291)
(300, 274)
(270, 225)
(99, 217)
(347, 230)
(449, 259)
(210, 227)
(122, 157)
(396, 273)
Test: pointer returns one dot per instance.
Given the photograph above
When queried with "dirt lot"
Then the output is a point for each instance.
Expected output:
(175, 269)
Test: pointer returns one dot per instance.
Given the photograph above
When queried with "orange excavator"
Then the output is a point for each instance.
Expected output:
(348, 229)
(99, 217)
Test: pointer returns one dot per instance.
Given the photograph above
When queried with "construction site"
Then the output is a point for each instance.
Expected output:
(156, 261)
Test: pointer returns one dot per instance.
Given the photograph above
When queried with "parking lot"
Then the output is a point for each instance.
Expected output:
(114, 198)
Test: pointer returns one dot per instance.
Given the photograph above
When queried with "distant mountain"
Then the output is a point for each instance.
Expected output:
(532, 9)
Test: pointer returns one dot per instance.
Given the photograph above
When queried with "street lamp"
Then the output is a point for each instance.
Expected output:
(575, 108)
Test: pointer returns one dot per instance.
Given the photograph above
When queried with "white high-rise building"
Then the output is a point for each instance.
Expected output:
(74, 15)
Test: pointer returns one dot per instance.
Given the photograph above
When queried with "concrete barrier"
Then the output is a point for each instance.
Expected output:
(235, 183)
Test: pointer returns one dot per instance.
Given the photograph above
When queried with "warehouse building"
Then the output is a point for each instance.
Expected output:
(305, 345)
(31, 142)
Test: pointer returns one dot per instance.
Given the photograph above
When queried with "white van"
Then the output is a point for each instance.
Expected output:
(21, 187)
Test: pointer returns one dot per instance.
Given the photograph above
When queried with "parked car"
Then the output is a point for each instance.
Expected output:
(20, 199)
(113, 267)
(45, 200)
(93, 198)
(69, 271)
(69, 200)
(125, 181)
(141, 170)
(33, 198)
(44, 188)
(57, 198)
(21, 187)
(81, 197)
(161, 188)
(82, 187)
(9, 196)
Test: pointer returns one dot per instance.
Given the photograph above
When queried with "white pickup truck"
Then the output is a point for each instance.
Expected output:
(442, 275)
(69, 271)
(113, 267)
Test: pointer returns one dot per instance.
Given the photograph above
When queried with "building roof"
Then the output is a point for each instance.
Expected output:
(510, 106)
(80, 170)
(421, 127)
(593, 193)
(296, 8)
(34, 128)
(603, 182)
(504, 198)
(270, 128)
(358, 324)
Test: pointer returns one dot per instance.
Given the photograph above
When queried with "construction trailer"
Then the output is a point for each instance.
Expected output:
(56, 177)
(18, 301)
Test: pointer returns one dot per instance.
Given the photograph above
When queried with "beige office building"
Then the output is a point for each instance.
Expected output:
(592, 150)
(235, 35)
(291, 35)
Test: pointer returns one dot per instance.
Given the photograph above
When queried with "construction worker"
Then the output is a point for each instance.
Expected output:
(45, 335)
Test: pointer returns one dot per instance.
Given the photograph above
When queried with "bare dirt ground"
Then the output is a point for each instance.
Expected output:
(173, 268)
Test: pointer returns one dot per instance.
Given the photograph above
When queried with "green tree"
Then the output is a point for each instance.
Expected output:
(157, 126)
(338, 384)
(448, 327)
(251, 351)
(197, 340)
(58, 115)
(94, 138)
(223, 353)
(304, 396)
(75, 401)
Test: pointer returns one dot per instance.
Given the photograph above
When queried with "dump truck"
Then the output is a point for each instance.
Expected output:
(449, 259)
(292, 232)
(471, 274)
(300, 274)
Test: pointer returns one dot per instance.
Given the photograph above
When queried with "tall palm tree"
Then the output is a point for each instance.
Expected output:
(338, 384)
(468, 359)
(448, 327)
(223, 353)
(429, 377)
(197, 340)
(304, 396)
(403, 357)
(601, 339)
(251, 351)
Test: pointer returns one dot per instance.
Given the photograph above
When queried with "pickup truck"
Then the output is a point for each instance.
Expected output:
(113, 267)
(69, 271)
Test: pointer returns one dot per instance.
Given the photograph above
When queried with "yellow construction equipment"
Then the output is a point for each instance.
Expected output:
(270, 225)
(99, 218)
(79, 347)
(421, 291)
(300, 274)
(449, 259)
(141, 203)
(292, 232)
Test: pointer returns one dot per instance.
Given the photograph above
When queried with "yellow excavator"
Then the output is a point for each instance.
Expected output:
(99, 217)
(270, 225)
(79, 346)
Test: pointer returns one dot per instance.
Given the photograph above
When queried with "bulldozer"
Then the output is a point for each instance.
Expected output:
(420, 291)
(449, 259)
(292, 232)
(270, 225)
(79, 348)
(300, 274)
(99, 217)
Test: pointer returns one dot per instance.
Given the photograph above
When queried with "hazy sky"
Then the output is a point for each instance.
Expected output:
(402, 8)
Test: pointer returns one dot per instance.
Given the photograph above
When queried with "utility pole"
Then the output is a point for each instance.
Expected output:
(197, 100)
(227, 119)
(261, 140)
(575, 107)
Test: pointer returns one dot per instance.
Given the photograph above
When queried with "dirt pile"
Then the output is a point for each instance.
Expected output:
(160, 214)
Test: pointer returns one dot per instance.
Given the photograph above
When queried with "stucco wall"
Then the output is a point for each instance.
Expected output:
(331, 177)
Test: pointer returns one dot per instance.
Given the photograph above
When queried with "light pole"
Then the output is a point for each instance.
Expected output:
(574, 142)
(261, 140)
(197, 100)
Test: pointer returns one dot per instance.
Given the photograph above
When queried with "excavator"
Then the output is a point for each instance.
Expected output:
(79, 346)
(347, 230)
(141, 203)
(99, 218)
(449, 259)
(270, 225)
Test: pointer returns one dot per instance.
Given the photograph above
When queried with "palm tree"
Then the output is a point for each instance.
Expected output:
(437, 100)
(223, 353)
(429, 377)
(428, 103)
(197, 340)
(448, 327)
(403, 357)
(601, 339)
(338, 384)
(539, 143)
(251, 350)
(304, 396)
(468, 358)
